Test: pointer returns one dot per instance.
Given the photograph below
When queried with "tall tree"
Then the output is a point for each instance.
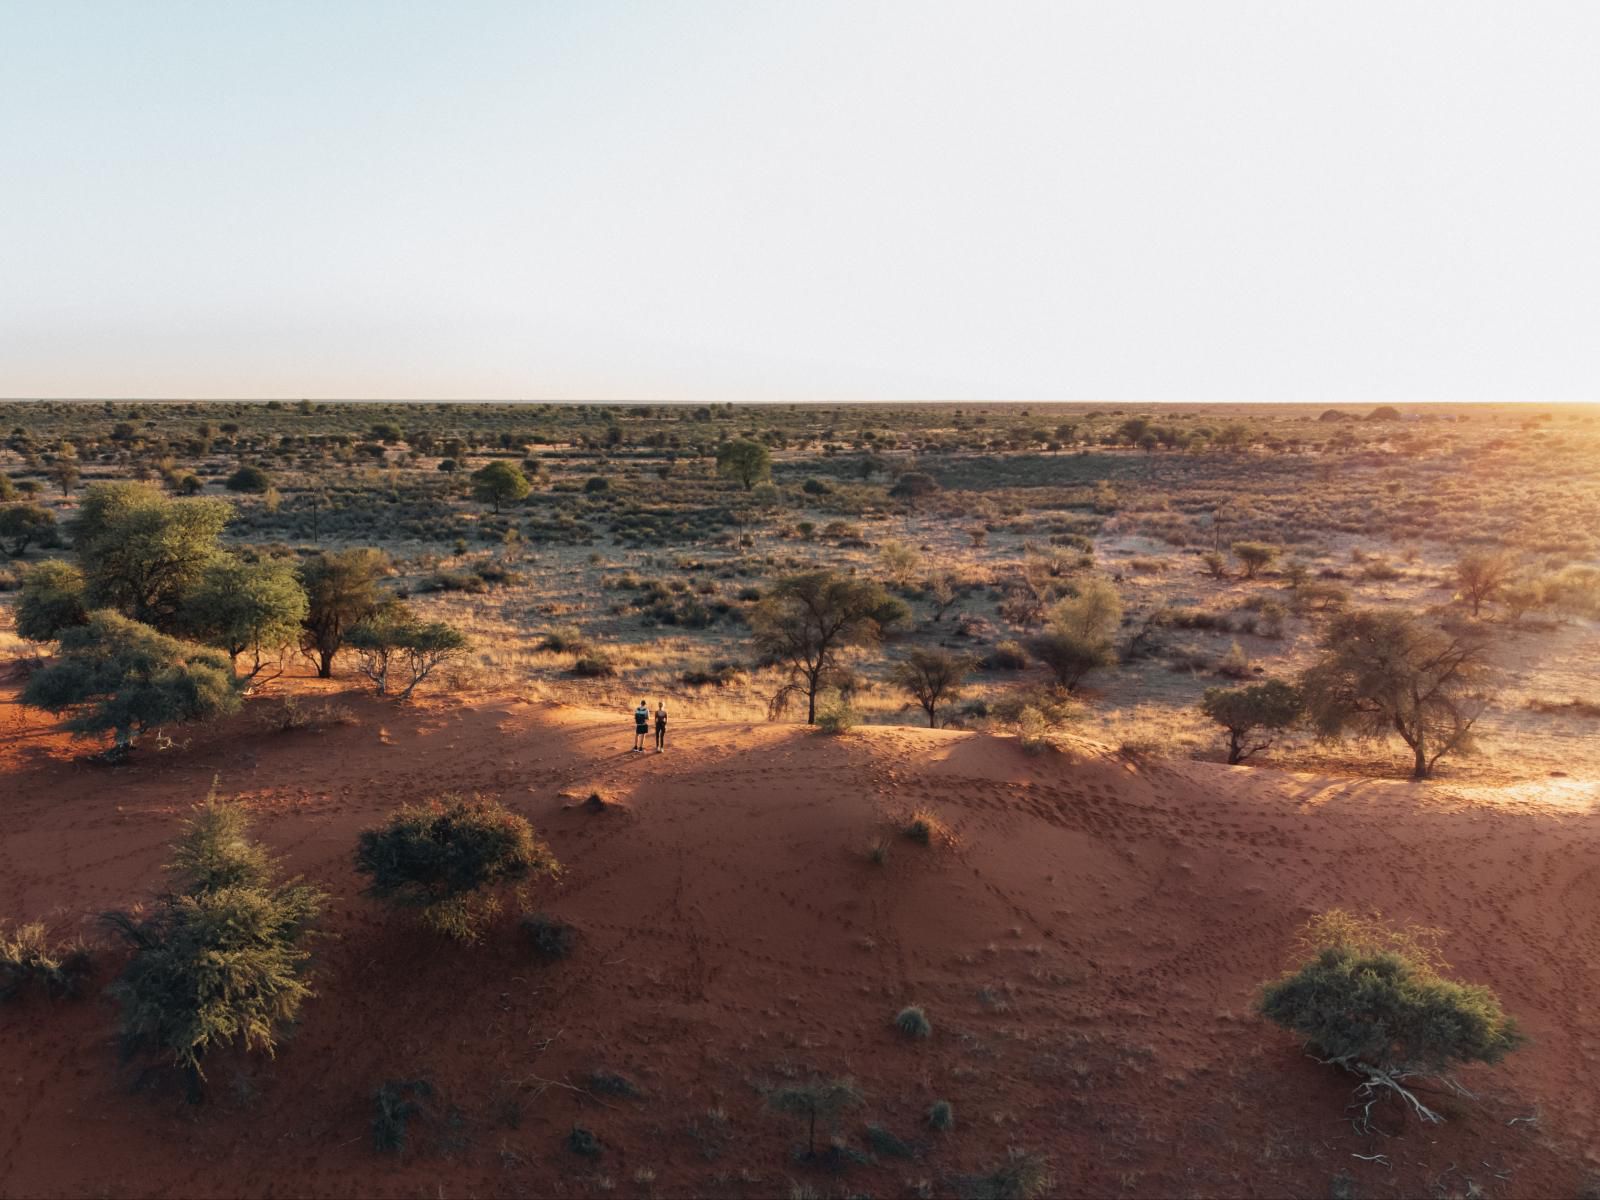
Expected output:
(341, 591)
(1387, 673)
(932, 678)
(238, 606)
(499, 483)
(805, 621)
(744, 460)
(142, 551)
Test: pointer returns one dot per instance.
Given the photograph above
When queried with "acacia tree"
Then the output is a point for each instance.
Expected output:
(1383, 673)
(341, 591)
(51, 601)
(744, 460)
(825, 1098)
(1255, 557)
(396, 640)
(499, 483)
(932, 678)
(806, 620)
(124, 678)
(1481, 576)
(239, 606)
(142, 551)
(1082, 627)
(1252, 716)
(22, 525)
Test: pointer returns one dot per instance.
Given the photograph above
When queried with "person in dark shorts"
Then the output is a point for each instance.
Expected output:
(661, 726)
(641, 726)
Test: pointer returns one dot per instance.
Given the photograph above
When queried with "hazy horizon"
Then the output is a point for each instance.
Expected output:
(709, 202)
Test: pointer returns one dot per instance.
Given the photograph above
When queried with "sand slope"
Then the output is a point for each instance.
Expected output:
(1087, 953)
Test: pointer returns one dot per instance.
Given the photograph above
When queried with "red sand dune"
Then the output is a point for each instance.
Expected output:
(734, 934)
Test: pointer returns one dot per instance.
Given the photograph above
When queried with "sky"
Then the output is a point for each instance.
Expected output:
(801, 200)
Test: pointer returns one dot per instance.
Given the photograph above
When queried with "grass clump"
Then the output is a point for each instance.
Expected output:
(926, 828)
(551, 939)
(609, 1083)
(914, 1023)
(28, 960)
(584, 1143)
(942, 1116)
(1022, 1176)
(887, 1144)
(442, 858)
(394, 1104)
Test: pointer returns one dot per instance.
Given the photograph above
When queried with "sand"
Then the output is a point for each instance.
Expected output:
(1087, 950)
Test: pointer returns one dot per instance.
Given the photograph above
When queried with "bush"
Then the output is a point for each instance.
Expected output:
(925, 827)
(219, 960)
(442, 857)
(550, 939)
(942, 1116)
(825, 1098)
(24, 525)
(596, 665)
(1255, 557)
(1006, 656)
(583, 1142)
(564, 639)
(835, 715)
(394, 1104)
(1372, 999)
(914, 1023)
(248, 479)
(1023, 1176)
(883, 1142)
(29, 960)
(121, 677)
(51, 601)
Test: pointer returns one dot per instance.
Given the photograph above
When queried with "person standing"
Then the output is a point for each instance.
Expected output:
(661, 726)
(641, 726)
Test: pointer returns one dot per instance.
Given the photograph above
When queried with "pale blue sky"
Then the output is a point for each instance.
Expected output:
(1195, 200)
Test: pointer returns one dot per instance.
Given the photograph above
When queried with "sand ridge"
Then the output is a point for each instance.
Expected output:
(1087, 950)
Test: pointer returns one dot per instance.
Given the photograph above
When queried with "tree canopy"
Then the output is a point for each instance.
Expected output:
(122, 677)
(238, 606)
(744, 460)
(499, 483)
(805, 621)
(341, 591)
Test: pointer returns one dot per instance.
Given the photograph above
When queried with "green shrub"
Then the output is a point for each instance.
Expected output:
(1022, 1176)
(396, 641)
(219, 960)
(1372, 999)
(248, 479)
(942, 1116)
(29, 960)
(583, 1142)
(913, 1022)
(1253, 716)
(51, 601)
(595, 665)
(550, 939)
(443, 857)
(836, 715)
(394, 1104)
(825, 1098)
(887, 1144)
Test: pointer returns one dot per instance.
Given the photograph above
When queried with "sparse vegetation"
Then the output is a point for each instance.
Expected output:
(446, 858)
(913, 1023)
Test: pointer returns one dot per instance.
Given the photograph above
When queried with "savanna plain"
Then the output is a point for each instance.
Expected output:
(1051, 800)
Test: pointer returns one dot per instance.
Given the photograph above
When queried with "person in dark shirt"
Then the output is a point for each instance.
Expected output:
(641, 726)
(661, 726)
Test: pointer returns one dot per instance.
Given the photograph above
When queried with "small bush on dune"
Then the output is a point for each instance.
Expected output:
(595, 665)
(883, 1142)
(836, 715)
(942, 1116)
(220, 960)
(29, 960)
(1373, 1000)
(550, 939)
(444, 857)
(926, 828)
(583, 1142)
(913, 1022)
(394, 1104)
(1022, 1176)
(825, 1098)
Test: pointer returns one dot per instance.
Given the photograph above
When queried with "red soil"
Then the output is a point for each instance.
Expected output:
(735, 935)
